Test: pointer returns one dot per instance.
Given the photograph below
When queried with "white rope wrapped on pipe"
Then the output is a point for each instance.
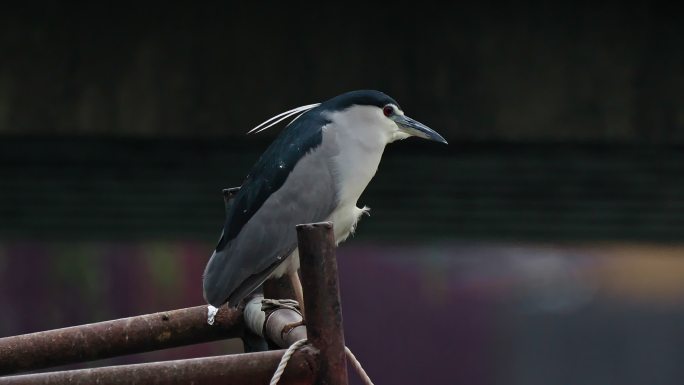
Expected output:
(255, 318)
(293, 348)
(284, 360)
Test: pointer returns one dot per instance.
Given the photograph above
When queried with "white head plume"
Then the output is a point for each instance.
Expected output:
(282, 116)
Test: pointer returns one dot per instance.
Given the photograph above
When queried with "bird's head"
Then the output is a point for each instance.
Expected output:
(376, 111)
(368, 110)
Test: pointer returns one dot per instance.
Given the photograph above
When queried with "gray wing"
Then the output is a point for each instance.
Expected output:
(241, 263)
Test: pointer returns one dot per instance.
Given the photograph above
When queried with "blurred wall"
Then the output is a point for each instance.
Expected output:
(120, 124)
(477, 70)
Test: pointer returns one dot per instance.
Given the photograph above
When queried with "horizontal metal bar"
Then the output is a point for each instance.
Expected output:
(243, 369)
(281, 326)
(118, 337)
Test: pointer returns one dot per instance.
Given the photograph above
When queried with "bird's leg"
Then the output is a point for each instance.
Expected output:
(297, 286)
(299, 296)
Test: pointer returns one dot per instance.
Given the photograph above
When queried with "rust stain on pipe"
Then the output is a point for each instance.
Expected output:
(277, 327)
(243, 369)
(118, 337)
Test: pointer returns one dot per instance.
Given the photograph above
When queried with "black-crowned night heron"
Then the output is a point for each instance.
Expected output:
(314, 171)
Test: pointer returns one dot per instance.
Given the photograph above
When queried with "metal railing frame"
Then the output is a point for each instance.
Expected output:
(321, 361)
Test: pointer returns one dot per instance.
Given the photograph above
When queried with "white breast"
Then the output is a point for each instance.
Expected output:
(361, 134)
(361, 143)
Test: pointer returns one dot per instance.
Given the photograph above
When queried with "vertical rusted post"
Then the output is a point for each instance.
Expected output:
(323, 312)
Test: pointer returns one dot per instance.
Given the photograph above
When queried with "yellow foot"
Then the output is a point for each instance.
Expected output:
(293, 325)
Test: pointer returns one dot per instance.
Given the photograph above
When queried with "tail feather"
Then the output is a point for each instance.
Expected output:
(222, 284)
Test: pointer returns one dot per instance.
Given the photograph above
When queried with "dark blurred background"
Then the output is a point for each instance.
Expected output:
(544, 245)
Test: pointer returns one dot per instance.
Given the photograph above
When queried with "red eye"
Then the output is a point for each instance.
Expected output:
(388, 111)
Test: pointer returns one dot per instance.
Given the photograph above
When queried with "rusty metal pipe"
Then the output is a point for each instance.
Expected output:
(243, 369)
(323, 312)
(118, 337)
(277, 321)
(280, 327)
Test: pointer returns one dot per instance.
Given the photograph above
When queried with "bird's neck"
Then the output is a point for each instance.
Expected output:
(360, 149)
